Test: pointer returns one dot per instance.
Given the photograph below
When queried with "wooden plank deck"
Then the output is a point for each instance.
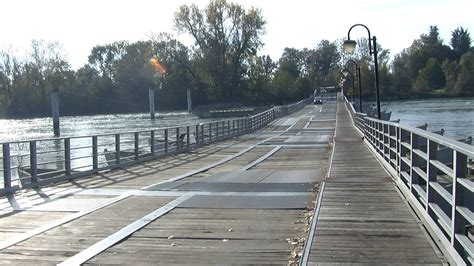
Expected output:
(208, 216)
(212, 236)
(362, 218)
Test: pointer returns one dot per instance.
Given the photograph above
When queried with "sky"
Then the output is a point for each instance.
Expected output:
(79, 25)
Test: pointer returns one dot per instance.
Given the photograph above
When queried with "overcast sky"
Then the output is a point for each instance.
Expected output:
(79, 25)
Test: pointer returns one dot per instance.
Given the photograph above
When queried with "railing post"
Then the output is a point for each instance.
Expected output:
(217, 130)
(196, 135)
(398, 148)
(117, 149)
(136, 144)
(430, 171)
(166, 140)
(7, 173)
(67, 155)
(413, 145)
(152, 141)
(202, 133)
(459, 171)
(228, 128)
(33, 162)
(223, 129)
(95, 154)
(178, 141)
(210, 132)
(233, 127)
(188, 138)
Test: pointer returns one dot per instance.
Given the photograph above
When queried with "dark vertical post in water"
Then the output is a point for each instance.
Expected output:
(151, 99)
(190, 103)
(55, 112)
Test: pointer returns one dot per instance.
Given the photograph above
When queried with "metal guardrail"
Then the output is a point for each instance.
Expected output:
(26, 164)
(434, 171)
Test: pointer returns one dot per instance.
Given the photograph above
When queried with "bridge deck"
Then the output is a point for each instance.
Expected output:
(363, 218)
(247, 200)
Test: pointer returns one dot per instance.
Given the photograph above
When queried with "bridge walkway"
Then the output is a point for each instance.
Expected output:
(246, 200)
(363, 219)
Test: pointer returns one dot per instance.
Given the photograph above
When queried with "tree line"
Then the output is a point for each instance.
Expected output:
(221, 66)
(428, 68)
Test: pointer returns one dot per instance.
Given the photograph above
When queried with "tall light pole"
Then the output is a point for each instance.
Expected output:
(349, 46)
(345, 72)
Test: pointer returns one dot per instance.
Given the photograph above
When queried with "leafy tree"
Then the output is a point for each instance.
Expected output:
(401, 73)
(451, 71)
(186, 70)
(465, 82)
(428, 46)
(225, 36)
(460, 41)
(103, 58)
(134, 75)
(320, 62)
(431, 77)
(259, 78)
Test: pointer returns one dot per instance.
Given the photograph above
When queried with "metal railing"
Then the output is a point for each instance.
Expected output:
(434, 171)
(26, 164)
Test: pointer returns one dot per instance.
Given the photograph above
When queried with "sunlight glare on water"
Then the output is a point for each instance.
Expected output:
(38, 128)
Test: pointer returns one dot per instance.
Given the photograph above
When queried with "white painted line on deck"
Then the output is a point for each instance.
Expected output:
(200, 170)
(261, 159)
(42, 229)
(207, 167)
(113, 239)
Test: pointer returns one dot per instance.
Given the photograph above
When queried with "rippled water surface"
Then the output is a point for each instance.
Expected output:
(24, 129)
(455, 116)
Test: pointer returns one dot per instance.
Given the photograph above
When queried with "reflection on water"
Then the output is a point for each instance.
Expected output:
(26, 129)
(455, 116)
(51, 155)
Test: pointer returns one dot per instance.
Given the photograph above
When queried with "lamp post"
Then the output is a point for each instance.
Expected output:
(345, 72)
(349, 46)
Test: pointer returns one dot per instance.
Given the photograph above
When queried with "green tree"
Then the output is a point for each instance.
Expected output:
(431, 77)
(320, 62)
(185, 71)
(465, 83)
(428, 46)
(259, 78)
(451, 71)
(460, 41)
(401, 73)
(225, 36)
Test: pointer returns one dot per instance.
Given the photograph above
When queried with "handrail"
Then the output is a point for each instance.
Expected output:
(433, 172)
(25, 164)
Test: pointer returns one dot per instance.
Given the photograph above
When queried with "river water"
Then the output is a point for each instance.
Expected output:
(37, 128)
(455, 116)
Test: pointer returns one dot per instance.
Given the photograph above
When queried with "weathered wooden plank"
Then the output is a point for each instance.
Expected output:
(205, 236)
(362, 218)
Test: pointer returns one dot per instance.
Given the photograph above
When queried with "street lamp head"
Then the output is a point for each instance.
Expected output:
(345, 72)
(349, 46)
